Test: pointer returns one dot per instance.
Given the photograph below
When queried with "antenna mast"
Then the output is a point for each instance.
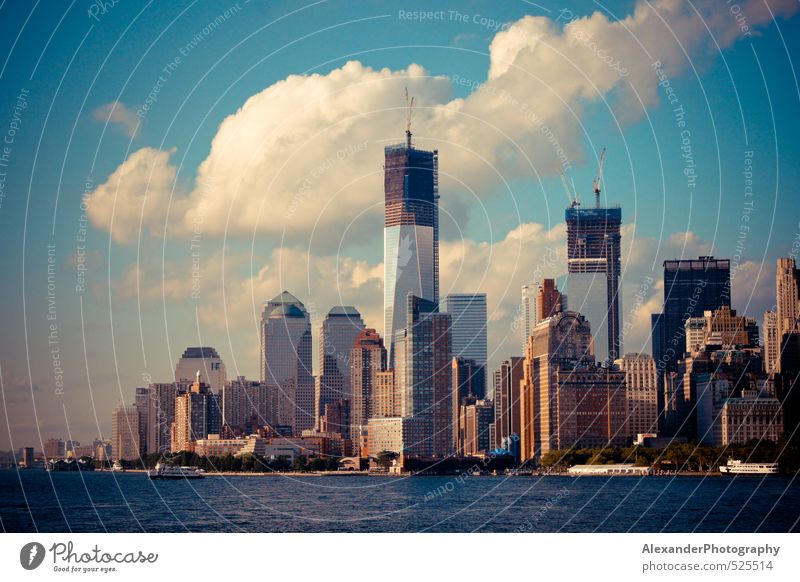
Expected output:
(598, 179)
(409, 111)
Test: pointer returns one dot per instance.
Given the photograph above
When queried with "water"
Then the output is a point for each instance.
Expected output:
(34, 500)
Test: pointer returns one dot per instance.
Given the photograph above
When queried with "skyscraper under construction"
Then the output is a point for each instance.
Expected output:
(593, 266)
(411, 232)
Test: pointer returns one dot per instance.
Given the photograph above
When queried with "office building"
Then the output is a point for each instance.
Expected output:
(507, 380)
(720, 327)
(641, 392)
(386, 401)
(593, 271)
(771, 342)
(142, 397)
(423, 377)
(207, 361)
(125, 433)
(161, 413)
(247, 405)
(787, 296)
(367, 361)
(286, 361)
(469, 322)
(411, 232)
(566, 399)
(475, 418)
(468, 384)
(197, 414)
(338, 333)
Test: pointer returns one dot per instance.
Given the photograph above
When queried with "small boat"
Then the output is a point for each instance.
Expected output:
(117, 466)
(166, 471)
(735, 467)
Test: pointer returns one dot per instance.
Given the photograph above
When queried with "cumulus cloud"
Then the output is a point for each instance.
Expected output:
(118, 114)
(306, 153)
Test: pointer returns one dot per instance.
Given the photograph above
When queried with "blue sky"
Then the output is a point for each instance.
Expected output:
(502, 200)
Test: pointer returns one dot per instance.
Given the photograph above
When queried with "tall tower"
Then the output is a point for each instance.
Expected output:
(286, 361)
(787, 289)
(338, 333)
(367, 360)
(205, 359)
(411, 232)
(468, 318)
(593, 267)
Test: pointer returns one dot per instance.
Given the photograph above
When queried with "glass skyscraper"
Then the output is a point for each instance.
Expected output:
(468, 321)
(593, 268)
(338, 334)
(286, 361)
(411, 233)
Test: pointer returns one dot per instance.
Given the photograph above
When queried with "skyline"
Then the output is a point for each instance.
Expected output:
(473, 260)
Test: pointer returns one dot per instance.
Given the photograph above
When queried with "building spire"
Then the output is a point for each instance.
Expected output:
(409, 112)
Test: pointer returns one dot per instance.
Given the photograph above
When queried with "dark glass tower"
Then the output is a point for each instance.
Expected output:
(593, 266)
(411, 232)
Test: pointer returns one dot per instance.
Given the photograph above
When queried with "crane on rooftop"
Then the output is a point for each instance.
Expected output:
(598, 180)
(409, 112)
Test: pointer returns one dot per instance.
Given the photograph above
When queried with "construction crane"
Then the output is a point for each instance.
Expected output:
(573, 200)
(598, 179)
(409, 111)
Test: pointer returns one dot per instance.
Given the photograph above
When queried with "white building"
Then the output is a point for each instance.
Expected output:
(641, 392)
(207, 361)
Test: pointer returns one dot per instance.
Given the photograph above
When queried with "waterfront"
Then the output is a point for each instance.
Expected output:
(129, 502)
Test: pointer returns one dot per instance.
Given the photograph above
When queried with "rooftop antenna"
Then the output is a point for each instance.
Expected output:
(409, 111)
(573, 199)
(598, 179)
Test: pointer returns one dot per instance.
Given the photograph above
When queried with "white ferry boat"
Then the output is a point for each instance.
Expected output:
(165, 471)
(117, 467)
(735, 467)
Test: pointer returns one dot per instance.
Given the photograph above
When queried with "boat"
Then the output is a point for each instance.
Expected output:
(117, 466)
(166, 471)
(736, 467)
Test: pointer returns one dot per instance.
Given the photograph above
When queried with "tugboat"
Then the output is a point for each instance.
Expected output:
(166, 471)
(735, 467)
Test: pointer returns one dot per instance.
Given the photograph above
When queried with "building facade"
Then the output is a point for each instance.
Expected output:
(286, 361)
(367, 361)
(207, 361)
(593, 271)
(338, 333)
(125, 433)
(507, 380)
(468, 332)
(641, 392)
(411, 233)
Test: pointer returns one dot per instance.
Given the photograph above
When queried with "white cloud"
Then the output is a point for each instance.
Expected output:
(305, 154)
(118, 113)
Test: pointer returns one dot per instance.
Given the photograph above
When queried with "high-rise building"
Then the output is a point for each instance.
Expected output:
(469, 383)
(411, 232)
(787, 295)
(475, 418)
(641, 392)
(423, 378)
(367, 360)
(468, 330)
(548, 299)
(507, 400)
(386, 400)
(142, 404)
(338, 333)
(528, 310)
(246, 403)
(161, 413)
(566, 400)
(691, 287)
(125, 433)
(197, 414)
(207, 361)
(593, 270)
(771, 342)
(286, 361)
(720, 327)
